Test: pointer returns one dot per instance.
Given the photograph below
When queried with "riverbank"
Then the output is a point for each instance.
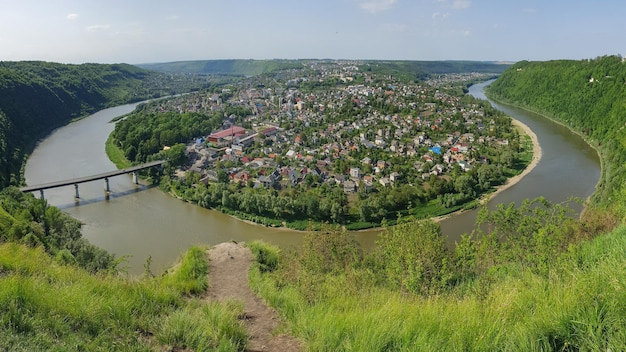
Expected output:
(594, 144)
(537, 153)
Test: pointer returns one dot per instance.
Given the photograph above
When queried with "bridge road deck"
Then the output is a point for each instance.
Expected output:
(105, 175)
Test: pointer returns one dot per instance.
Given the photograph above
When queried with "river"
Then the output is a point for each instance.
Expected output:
(138, 222)
(569, 167)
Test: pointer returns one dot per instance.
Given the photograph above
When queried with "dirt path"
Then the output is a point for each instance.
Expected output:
(228, 280)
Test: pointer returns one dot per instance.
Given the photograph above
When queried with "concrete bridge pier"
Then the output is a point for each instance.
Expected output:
(41, 192)
(107, 188)
(135, 178)
(76, 196)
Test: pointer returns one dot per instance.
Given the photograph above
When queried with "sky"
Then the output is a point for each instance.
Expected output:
(147, 31)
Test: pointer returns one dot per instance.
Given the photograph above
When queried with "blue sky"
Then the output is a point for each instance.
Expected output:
(142, 31)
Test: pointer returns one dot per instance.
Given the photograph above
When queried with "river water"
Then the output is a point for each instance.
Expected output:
(138, 222)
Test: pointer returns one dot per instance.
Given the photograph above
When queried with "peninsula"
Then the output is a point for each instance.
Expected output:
(338, 142)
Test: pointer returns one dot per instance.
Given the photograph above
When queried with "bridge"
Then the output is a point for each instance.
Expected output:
(105, 176)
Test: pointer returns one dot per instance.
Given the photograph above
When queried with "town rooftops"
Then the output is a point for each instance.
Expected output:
(231, 131)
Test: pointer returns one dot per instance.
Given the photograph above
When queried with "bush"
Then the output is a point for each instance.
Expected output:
(414, 256)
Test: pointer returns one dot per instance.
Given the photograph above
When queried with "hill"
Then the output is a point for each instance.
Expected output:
(587, 95)
(36, 97)
(46, 305)
(419, 70)
(228, 67)
(415, 69)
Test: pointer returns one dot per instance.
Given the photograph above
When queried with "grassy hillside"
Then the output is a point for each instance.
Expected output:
(588, 96)
(336, 300)
(48, 306)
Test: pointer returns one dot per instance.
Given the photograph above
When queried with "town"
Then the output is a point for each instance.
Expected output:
(344, 126)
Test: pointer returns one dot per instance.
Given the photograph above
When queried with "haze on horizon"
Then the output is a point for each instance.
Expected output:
(143, 31)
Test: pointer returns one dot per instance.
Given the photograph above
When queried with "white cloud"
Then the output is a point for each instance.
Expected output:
(98, 27)
(375, 6)
(439, 15)
(71, 16)
(461, 4)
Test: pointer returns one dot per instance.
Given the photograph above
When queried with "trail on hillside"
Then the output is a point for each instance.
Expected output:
(229, 264)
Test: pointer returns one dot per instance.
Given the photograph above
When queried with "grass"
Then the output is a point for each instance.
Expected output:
(47, 306)
(190, 276)
(579, 306)
(266, 256)
(115, 154)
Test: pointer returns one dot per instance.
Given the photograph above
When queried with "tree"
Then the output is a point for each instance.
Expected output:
(176, 155)
(465, 184)
(222, 176)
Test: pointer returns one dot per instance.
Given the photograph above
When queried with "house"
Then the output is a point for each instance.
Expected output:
(349, 186)
(266, 181)
(384, 181)
(270, 131)
(340, 179)
(367, 186)
(394, 177)
(241, 177)
(293, 177)
(276, 176)
(355, 172)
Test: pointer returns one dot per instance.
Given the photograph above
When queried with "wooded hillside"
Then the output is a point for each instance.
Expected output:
(36, 97)
(589, 96)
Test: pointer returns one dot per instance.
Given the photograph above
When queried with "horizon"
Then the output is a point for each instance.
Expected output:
(144, 32)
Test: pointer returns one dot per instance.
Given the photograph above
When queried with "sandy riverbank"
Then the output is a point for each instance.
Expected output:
(533, 163)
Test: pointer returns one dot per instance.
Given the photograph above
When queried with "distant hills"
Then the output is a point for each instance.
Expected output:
(255, 67)
(228, 67)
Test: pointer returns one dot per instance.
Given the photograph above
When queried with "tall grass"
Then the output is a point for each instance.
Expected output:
(47, 306)
(208, 327)
(580, 307)
(115, 154)
(190, 276)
